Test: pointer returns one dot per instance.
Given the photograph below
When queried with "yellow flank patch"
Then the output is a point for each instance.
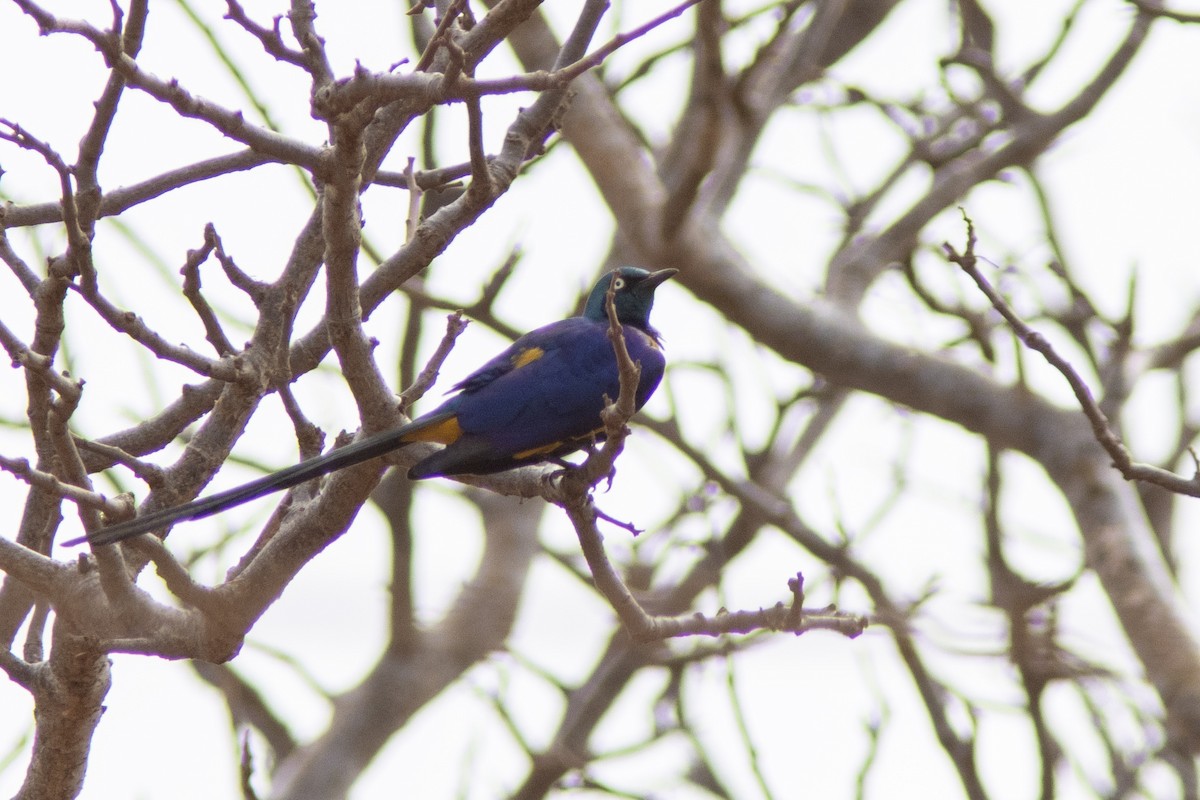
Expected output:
(528, 357)
(537, 451)
(445, 432)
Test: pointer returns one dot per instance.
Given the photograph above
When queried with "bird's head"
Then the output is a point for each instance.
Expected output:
(634, 295)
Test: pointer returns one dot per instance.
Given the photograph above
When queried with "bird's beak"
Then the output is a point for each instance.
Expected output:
(651, 281)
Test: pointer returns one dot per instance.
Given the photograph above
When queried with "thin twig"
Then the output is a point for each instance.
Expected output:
(191, 290)
(1153, 9)
(574, 497)
(1101, 428)
(455, 324)
(270, 38)
(413, 219)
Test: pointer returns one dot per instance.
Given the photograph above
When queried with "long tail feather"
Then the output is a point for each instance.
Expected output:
(354, 453)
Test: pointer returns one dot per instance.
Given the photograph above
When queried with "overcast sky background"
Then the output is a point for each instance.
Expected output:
(1123, 186)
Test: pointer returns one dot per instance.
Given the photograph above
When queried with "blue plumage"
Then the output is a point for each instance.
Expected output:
(538, 400)
(541, 398)
(513, 415)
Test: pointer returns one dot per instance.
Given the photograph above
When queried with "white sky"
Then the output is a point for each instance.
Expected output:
(1123, 185)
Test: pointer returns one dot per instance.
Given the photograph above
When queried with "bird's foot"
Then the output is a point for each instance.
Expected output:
(564, 468)
(569, 468)
(591, 448)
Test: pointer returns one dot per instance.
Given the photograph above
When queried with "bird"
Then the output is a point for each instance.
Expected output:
(537, 401)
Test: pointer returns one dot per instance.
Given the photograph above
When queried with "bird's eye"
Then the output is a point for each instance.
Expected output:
(619, 284)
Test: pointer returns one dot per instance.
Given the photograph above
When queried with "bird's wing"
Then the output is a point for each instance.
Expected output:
(549, 388)
(524, 351)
